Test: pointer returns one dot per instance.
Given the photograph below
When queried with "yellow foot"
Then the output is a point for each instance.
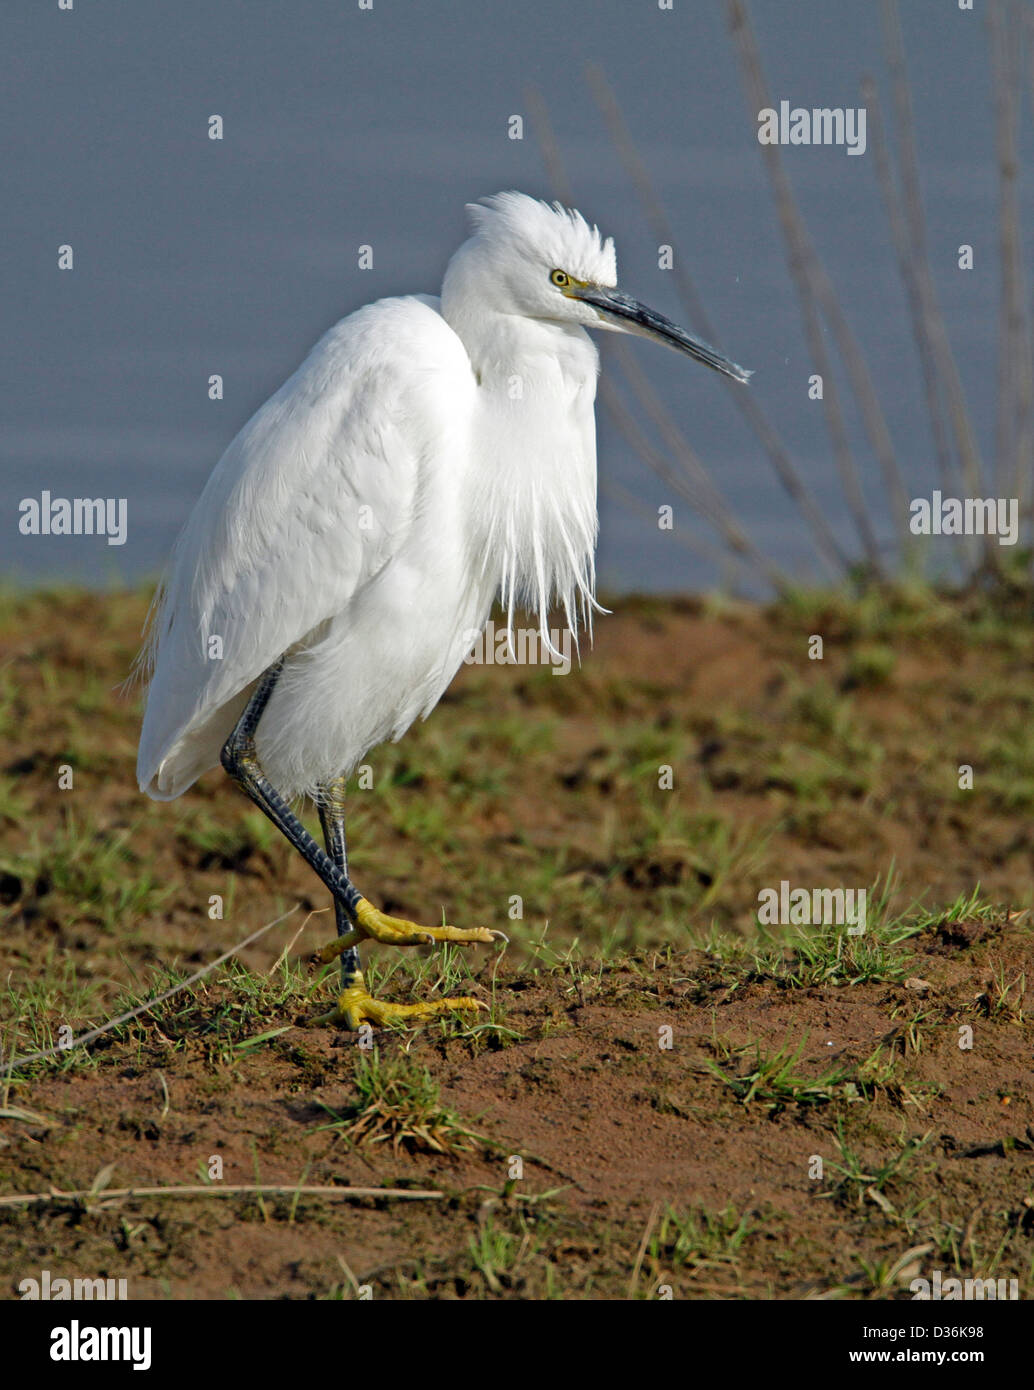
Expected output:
(357, 1006)
(396, 931)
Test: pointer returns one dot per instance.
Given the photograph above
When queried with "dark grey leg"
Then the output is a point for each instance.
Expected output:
(239, 760)
(331, 807)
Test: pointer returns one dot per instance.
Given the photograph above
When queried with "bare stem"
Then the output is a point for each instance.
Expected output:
(1015, 388)
(808, 276)
(933, 322)
(910, 275)
(745, 401)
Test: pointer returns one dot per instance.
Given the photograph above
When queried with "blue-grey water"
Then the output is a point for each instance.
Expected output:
(346, 126)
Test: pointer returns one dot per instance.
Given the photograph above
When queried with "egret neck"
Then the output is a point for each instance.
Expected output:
(532, 426)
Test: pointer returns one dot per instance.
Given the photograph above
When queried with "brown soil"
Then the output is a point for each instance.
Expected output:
(643, 1170)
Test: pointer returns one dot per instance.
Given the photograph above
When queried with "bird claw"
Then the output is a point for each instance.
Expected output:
(356, 1007)
(396, 931)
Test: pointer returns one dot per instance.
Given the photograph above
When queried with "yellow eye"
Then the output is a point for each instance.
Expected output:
(559, 278)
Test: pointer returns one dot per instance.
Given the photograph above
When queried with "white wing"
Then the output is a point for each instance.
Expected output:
(311, 499)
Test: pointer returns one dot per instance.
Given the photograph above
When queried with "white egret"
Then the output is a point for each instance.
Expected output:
(427, 456)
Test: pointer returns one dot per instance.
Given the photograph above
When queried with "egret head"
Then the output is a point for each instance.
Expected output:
(545, 262)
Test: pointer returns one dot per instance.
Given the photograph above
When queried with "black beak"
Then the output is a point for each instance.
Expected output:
(626, 314)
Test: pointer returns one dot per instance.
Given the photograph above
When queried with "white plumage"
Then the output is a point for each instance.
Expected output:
(425, 457)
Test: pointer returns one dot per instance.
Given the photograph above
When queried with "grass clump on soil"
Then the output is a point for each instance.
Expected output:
(399, 1104)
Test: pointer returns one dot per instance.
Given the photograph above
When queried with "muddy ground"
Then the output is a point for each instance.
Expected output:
(662, 1097)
